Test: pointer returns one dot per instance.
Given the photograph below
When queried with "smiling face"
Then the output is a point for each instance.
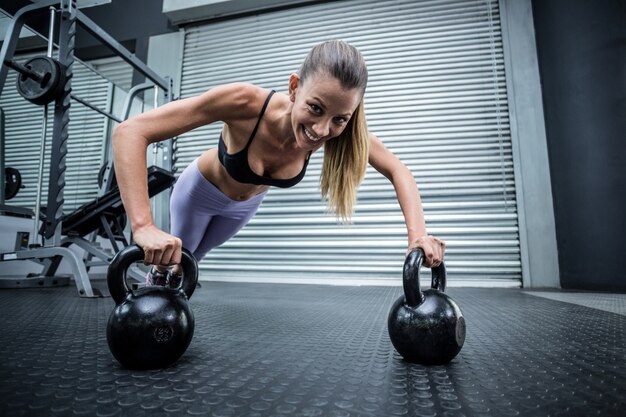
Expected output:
(321, 110)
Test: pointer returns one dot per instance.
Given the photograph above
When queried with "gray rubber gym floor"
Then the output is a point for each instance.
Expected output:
(305, 350)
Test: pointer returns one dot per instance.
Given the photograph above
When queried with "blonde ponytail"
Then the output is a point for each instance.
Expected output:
(345, 162)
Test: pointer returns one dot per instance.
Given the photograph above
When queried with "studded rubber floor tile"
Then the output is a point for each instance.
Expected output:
(614, 303)
(262, 350)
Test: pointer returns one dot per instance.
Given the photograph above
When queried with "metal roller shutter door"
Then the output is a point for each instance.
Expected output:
(436, 97)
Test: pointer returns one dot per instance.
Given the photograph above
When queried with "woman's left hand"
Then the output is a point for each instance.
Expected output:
(433, 248)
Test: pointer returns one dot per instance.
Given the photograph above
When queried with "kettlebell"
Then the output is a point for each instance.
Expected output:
(149, 328)
(425, 327)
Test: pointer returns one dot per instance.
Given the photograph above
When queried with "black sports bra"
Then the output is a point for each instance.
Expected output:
(237, 164)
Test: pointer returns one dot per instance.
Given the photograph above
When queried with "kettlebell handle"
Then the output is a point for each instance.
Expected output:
(411, 277)
(116, 274)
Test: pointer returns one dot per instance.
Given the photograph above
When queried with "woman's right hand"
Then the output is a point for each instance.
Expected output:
(160, 248)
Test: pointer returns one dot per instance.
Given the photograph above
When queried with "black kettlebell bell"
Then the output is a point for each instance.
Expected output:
(150, 328)
(425, 327)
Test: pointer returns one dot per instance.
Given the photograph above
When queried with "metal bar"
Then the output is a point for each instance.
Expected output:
(60, 130)
(107, 150)
(167, 162)
(170, 156)
(24, 70)
(37, 77)
(169, 93)
(42, 153)
(132, 93)
(97, 32)
(2, 177)
(120, 230)
(78, 267)
(93, 107)
(44, 131)
(90, 248)
(109, 173)
(13, 34)
(51, 32)
(107, 229)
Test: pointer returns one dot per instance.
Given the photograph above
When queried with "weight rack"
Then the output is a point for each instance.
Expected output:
(53, 248)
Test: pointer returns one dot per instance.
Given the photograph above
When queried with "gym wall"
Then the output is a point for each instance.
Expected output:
(582, 60)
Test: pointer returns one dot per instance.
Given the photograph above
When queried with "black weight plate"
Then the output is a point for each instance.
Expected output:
(12, 182)
(42, 91)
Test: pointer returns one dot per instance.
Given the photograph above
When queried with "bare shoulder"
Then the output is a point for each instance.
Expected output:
(381, 158)
(376, 145)
(235, 101)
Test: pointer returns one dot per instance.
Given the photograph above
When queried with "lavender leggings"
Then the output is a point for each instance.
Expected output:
(202, 216)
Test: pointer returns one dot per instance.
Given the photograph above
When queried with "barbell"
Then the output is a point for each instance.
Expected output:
(42, 79)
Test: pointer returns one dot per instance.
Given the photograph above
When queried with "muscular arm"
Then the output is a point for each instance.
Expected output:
(406, 189)
(407, 192)
(131, 138)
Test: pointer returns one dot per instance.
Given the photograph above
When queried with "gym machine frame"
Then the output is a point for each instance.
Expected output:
(54, 249)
